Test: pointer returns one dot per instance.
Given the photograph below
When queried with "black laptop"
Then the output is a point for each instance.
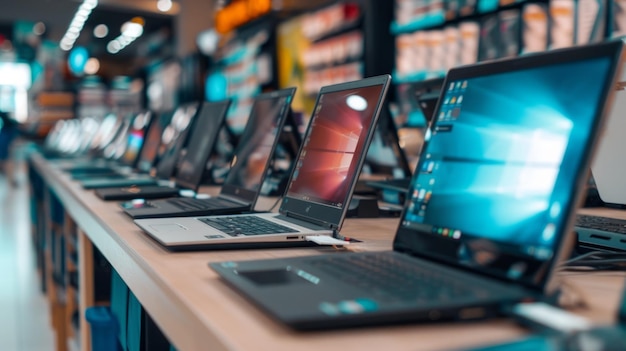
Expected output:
(424, 95)
(209, 121)
(106, 155)
(248, 167)
(489, 212)
(161, 146)
(129, 155)
(144, 179)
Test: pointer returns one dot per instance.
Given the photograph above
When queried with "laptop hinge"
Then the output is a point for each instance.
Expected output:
(233, 199)
(331, 226)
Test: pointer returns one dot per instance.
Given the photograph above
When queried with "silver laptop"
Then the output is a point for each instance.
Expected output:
(320, 186)
(608, 166)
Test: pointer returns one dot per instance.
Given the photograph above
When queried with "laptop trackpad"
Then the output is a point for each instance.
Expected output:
(168, 228)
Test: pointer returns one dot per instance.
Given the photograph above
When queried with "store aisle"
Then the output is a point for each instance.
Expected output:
(24, 312)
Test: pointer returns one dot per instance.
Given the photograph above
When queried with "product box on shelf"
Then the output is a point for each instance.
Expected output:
(535, 28)
(563, 21)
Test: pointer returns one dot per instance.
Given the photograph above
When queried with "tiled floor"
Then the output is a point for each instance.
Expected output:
(24, 312)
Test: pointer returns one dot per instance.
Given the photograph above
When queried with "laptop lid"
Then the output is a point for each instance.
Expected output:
(410, 112)
(258, 142)
(148, 153)
(385, 156)
(110, 127)
(135, 138)
(208, 123)
(333, 151)
(608, 167)
(178, 133)
(496, 185)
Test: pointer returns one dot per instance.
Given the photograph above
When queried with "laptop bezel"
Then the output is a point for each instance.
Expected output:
(405, 238)
(321, 214)
(240, 192)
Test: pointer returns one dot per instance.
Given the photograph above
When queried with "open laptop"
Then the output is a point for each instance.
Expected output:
(248, 168)
(490, 208)
(210, 119)
(320, 186)
(124, 150)
(160, 137)
(214, 112)
(425, 95)
(609, 175)
(109, 130)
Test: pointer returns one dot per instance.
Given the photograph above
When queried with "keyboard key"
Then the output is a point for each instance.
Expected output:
(601, 223)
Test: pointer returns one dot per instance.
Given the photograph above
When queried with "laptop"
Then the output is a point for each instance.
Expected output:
(160, 140)
(426, 95)
(248, 167)
(109, 130)
(129, 155)
(210, 119)
(488, 216)
(320, 186)
(609, 176)
(167, 138)
(182, 123)
(124, 150)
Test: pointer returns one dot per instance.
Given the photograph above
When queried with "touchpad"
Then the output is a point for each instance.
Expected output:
(272, 277)
(164, 228)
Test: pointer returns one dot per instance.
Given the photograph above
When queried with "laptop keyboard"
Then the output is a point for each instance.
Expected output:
(601, 223)
(392, 279)
(245, 225)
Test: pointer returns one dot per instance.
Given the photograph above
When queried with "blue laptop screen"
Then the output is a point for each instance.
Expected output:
(498, 172)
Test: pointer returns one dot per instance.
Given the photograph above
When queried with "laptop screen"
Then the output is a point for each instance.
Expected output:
(148, 153)
(385, 156)
(258, 140)
(497, 181)
(208, 123)
(135, 137)
(174, 138)
(334, 147)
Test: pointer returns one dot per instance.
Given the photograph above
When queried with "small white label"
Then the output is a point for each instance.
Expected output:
(326, 240)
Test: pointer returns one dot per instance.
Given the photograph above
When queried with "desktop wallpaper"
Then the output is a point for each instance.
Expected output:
(335, 140)
(504, 154)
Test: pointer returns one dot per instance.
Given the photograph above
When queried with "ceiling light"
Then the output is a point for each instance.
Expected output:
(132, 30)
(73, 31)
(101, 31)
(92, 66)
(164, 5)
(65, 46)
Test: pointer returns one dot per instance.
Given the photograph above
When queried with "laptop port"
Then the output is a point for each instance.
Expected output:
(293, 237)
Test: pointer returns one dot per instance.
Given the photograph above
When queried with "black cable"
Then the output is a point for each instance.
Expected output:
(596, 261)
(275, 204)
